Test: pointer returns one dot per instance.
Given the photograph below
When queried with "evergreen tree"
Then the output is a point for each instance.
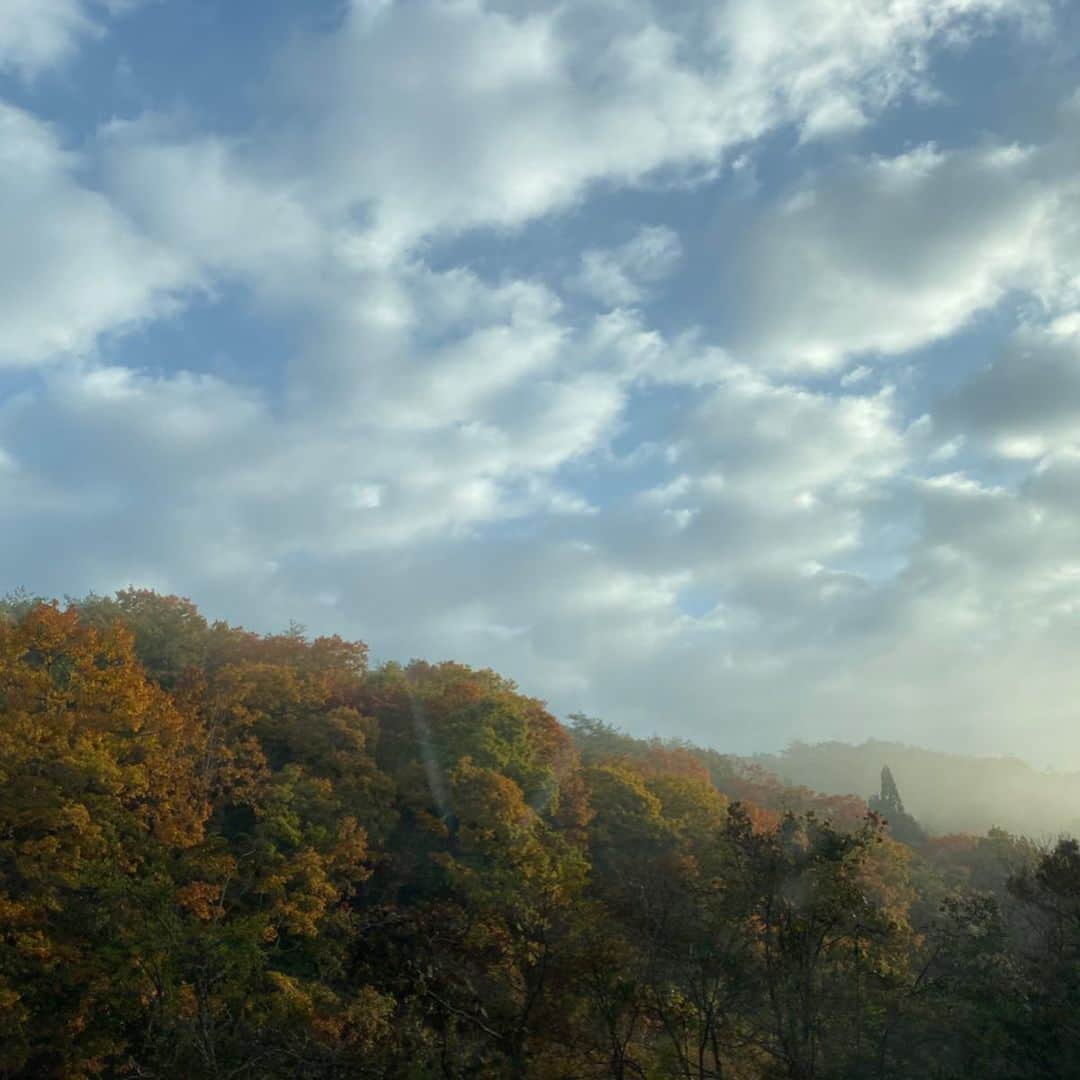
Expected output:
(891, 807)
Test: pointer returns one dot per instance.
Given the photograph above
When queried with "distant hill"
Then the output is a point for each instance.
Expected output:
(947, 793)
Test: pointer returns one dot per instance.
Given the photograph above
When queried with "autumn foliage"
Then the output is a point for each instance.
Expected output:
(230, 855)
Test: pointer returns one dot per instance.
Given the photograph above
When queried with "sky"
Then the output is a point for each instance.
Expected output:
(710, 368)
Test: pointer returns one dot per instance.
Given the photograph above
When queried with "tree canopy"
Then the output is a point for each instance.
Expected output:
(224, 854)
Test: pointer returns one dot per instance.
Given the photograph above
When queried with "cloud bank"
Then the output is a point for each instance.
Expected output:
(715, 373)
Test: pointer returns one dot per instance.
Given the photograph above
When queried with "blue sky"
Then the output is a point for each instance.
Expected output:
(713, 369)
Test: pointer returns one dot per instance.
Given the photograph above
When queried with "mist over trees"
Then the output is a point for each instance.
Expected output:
(232, 855)
(945, 792)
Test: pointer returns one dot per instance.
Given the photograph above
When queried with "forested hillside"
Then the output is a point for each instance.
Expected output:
(229, 855)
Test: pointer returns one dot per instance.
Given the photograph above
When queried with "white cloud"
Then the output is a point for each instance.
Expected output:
(425, 440)
(433, 118)
(623, 275)
(199, 196)
(36, 35)
(438, 116)
(81, 268)
(830, 66)
(889, 254)
(1026, 403)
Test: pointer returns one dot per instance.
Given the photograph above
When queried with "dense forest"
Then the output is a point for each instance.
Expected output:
(232, 855)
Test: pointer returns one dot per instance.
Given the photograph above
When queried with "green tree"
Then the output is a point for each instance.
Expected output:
(891, 807)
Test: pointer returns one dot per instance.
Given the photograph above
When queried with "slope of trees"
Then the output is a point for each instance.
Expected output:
(228, 855)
